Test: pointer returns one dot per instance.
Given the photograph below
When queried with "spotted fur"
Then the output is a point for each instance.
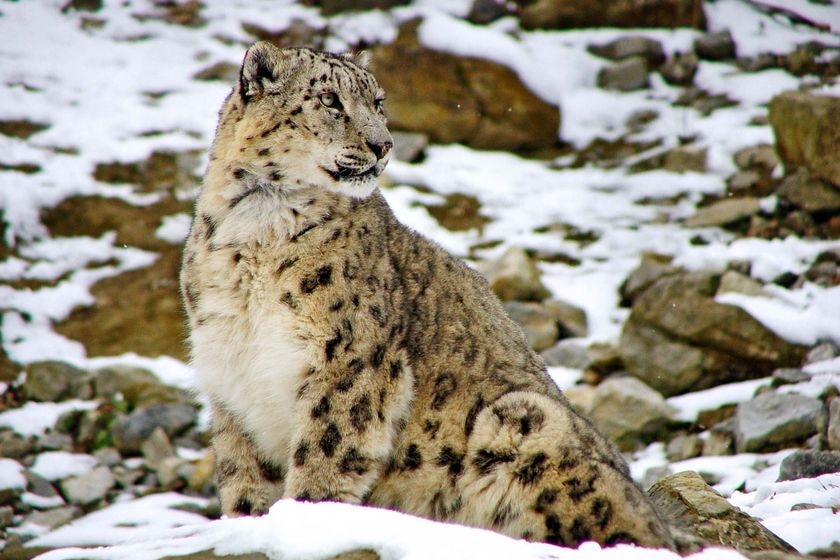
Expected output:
(349, 358)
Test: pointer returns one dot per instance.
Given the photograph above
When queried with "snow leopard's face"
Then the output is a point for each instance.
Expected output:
(311, 118)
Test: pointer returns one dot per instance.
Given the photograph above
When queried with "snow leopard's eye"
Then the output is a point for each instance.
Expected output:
(330, 100)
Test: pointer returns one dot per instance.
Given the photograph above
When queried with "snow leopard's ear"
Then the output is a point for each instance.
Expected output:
(261, 66)
(360, 59)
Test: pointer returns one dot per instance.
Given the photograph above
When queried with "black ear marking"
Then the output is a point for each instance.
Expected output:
(258, 66)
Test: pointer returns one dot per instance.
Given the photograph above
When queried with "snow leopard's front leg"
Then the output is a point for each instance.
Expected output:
(248, 483)
(347, 417)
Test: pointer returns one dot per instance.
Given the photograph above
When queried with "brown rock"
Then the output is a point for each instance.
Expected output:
(691, 505)
(331, 7)
(810, 193)
(678, 338)
(686, 158)
(725, 212)
(536, 321)
(807, 134)
(514, 277)
(461, 99)
(565, 14)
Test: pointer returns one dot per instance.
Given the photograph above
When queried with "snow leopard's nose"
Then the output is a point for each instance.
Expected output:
(380, 148)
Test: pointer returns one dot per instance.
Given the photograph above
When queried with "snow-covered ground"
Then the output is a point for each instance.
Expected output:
(95, 87)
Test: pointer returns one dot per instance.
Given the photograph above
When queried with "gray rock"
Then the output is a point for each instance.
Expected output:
(409, 146)
(680, 69)
(626, 75)
(54, 518)
(678, 338)
(821, 352)
(129, 432)
(88, 488)
(50, 381)
(715, 46)
(833, 432)
(809, 464)
(721, 439)
(809, 193)
(735, 282)
(156, 448)
(120, 378)
(7, 515)
(614, 397)
(571, 319)
(627, 47)
(772, 421)
(724, 212)
(688, 503)
(787, 376)
(684, 446)
(566, 353)
(55, 441)
(15, 446)
(514, 277)
(539, 324)
(651, 268)
(483, 12)
(40, 486)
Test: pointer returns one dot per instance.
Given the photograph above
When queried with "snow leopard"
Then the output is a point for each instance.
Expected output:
(349, 358)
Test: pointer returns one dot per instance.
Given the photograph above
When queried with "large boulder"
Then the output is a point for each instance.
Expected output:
(773, 421)
(565, 14)
(679, 339)
(460, 99)
(807, 134)
(694, 508)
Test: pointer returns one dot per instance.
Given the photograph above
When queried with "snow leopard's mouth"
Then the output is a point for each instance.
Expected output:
(342, 173)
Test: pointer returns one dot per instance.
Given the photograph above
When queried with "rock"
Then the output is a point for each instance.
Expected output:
(569, 14)
(458, 212)
(735, 282)
(15, 446)
(156, 448)
(806, 135)
(460, 99)
(724, 212)
(686, 501)
(809, 464)
(715, 46)
(409, 146)
(82, 6)
(146, 296)
(571, 319)
(483, 12)
(41, 487)
(825, 271)
(721, 439)
(626, 75)
(54, 518)
(614, 397)
(684, 446)
(632, 46)
(603, 359)
(679, 339)
(514, 277)
(743, 182)
(171, 470)
(50, 381)
(539, 325)
(686, 158)
(833, 432)
(680, 69)
(130, 431)
(651, 268)
(220, 71)
(787, 376)
(822, 351)
(810, 193)
(581, 397)
(20, 128)
(88, 488)
(12, 481)
(332, 7)
(761, 158)
(7, 515)
(566, 353)
(111, 380)
(773, 421)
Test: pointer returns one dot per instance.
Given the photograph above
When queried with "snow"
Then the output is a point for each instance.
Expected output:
(11, 475)
(34, 418)
(98, 89)
(58, 465)
(296, 530)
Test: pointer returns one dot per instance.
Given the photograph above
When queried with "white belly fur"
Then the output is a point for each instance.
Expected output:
(253, 366)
